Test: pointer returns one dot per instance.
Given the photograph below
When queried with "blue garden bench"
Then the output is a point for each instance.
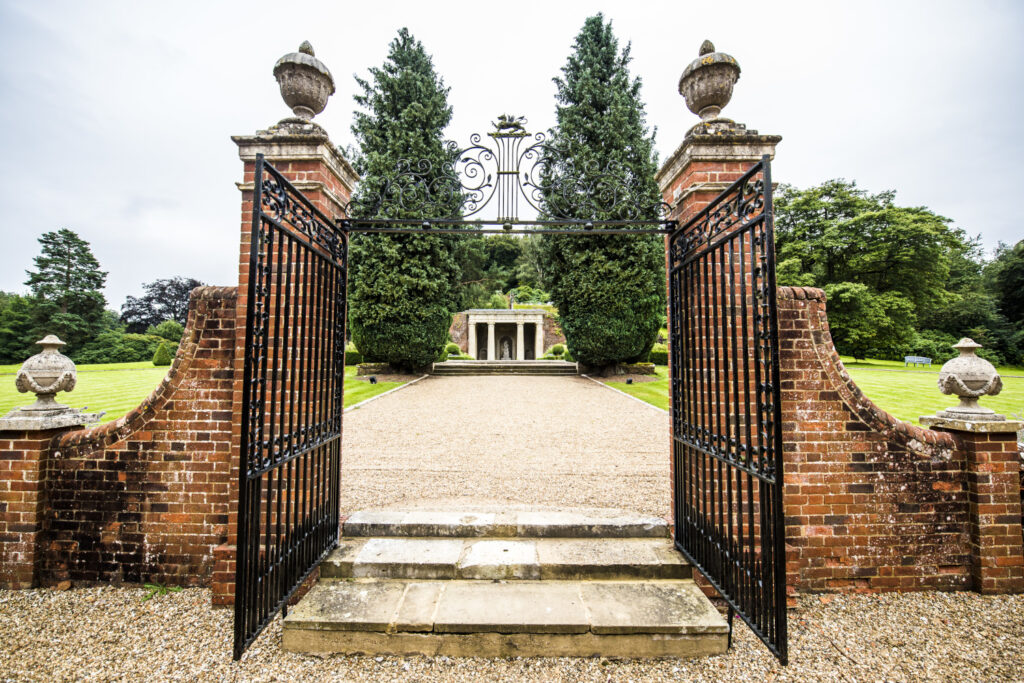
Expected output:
(915, 360)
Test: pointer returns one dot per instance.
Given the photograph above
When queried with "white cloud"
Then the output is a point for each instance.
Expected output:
(116, 117)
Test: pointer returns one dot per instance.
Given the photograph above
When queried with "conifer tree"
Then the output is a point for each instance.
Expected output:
(402, 288)
(610, 290)
(67, 289)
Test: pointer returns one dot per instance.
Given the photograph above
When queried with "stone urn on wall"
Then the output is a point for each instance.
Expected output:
(969, 377)
(304, 81)
(45, 374)
(708, 81)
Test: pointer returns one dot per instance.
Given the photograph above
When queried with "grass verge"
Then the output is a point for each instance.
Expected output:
(119, 387)
(907, 394)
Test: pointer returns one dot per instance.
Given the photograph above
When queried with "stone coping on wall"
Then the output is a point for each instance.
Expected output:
(977, 427)
(100, 436)
(916, 439)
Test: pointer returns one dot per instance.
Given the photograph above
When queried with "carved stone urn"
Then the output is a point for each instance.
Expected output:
(969, 377)
(707, 82)
(45, 374)
(304, 81)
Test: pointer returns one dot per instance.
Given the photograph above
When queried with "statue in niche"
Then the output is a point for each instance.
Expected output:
(506, 349)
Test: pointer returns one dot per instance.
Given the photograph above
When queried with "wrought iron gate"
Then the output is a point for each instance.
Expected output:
(726, 408)
(727, 455)
(288, 508)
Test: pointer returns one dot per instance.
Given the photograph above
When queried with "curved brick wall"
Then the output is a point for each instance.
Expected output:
(871, 502)
(145, 497)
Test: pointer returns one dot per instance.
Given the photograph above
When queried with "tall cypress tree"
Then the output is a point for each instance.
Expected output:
(67, 289)
(402, 287)
(610, 290)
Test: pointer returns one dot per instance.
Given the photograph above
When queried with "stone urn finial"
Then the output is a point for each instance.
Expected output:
(304, 81)
(707, 82)
(969, 377)
(45, 374)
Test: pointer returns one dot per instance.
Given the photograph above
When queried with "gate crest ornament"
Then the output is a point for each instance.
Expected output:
(517, 167)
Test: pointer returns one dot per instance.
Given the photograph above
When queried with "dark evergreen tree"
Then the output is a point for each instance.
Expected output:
(165, 299)
(16, 340)
(402, 288)
(67, 289)
(610, 290)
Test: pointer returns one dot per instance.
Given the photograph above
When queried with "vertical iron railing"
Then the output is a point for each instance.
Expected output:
(288, 508)
(726, 407)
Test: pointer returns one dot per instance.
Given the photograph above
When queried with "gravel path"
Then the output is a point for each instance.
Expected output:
(110, 634)
(562, 441)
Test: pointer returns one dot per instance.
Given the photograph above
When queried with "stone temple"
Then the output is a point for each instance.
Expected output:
(504, 334)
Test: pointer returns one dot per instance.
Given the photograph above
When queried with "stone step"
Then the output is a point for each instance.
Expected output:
(505, 523)
(507, 618)
(527, 367)
(506, 558)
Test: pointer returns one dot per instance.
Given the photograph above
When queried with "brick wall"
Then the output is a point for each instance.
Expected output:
(871, 503)
(145, 497)
(22, 504)
(552, 334)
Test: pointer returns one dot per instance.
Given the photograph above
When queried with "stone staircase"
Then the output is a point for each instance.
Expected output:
(515, 583)
(505, 367)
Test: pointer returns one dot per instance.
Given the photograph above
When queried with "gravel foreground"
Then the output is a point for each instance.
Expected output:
(111, 634)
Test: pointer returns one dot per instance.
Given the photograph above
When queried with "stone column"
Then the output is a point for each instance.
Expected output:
(491, 346)
(303, 152)
(994, 493)
(471, 324)
(714, 153)
(27, 435)
(994, 484)
(538, 344)
(520, 342)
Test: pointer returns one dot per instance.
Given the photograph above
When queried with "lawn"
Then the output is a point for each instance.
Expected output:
(115, 388)
(655, 393)
(357, 390)
(118, 387)
(907, 394)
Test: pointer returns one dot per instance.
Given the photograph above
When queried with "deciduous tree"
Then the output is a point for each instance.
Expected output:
(165, 299)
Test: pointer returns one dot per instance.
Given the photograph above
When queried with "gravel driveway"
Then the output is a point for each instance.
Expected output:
(561, 441)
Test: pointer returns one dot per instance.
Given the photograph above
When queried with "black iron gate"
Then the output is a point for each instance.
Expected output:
(727, 464)
(726, 408)
(288, 510)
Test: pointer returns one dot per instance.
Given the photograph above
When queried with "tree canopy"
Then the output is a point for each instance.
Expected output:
(402, 288)
(66, 287)
(164, 299)
(900, 280)
(610, 290)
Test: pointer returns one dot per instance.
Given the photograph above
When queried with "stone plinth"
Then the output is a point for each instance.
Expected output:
(994, 489)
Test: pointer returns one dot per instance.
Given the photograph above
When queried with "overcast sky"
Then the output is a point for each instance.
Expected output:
(116, 117)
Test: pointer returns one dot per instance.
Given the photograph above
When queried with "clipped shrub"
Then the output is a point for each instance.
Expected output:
(568, 357)
(352, 355)
(452, 349)
(171, 330)
(403, 288)
(114, 346)
(162, 355)
(557, 350)
(658, 354)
